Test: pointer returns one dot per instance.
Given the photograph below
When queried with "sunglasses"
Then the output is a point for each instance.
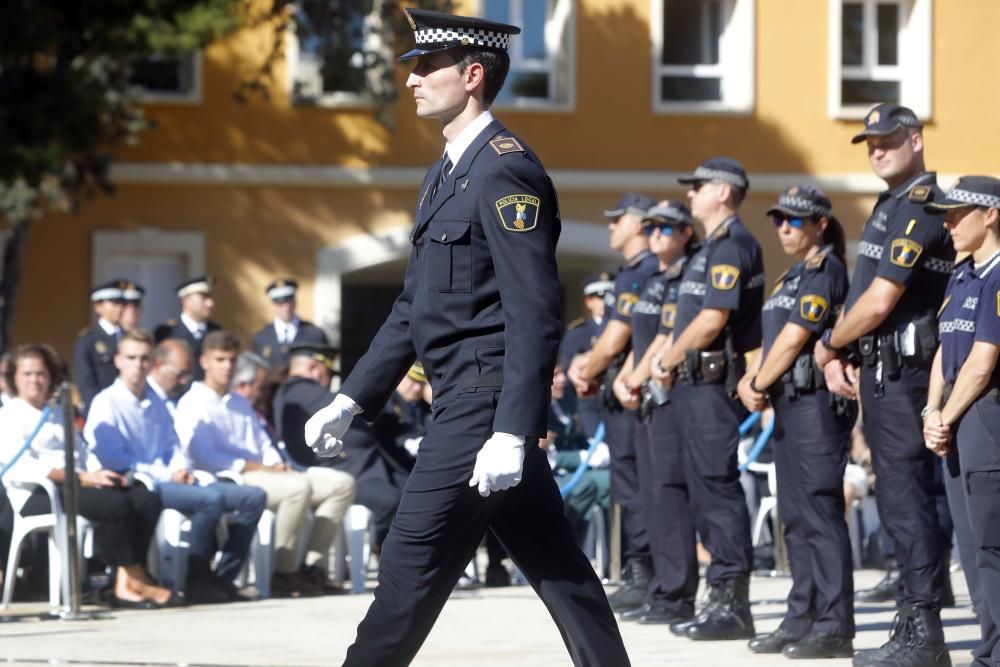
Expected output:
(666, 230)
(794, 223)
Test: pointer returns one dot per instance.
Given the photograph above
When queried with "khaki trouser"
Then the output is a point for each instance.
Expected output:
(327, 491)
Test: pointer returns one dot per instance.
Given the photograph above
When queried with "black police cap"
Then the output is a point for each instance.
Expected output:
(199, 285)
(886, 119)
(671, 213)
(969, 191)
(596, 284)
(321, 352)
(723, 169)
(436, 31)
(804, 201)
(133, 293)
(112, 290)
(282, 288)
(630, 202)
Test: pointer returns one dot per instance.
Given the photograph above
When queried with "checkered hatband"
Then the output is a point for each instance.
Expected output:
(720, 175)
(461, 37)
(975, 198)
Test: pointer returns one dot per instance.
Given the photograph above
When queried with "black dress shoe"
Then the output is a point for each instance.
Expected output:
(817, 645)
(885, 590)
(773, 642)
(636, 613)
(663, 616)
(121, 603)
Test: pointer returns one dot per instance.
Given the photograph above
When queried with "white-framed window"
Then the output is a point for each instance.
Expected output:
(542, 57)
(173, 78)
(156, 259)
(880, 51)
(703, 54)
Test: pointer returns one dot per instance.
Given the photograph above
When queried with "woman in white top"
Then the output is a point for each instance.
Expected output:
(124, 516)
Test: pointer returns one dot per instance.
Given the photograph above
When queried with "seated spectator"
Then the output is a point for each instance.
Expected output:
(221, 432)
(123, 515)
(380, 476)
(130, 430)
(171, 372)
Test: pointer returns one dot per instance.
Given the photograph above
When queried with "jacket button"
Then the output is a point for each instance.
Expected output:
(444, 237)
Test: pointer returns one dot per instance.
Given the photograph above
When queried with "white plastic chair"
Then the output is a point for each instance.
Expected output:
(354, 540)
(596, 541)
(768, 504)
(54, 524)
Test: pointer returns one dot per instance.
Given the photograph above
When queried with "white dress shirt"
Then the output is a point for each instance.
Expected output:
(220, 433)
(286, 331)
(465, 138)
(18, 419)
(197, 329)
(127, 433)
(110, 329)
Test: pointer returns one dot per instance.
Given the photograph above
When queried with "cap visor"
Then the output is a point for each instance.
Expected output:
(421, 51)
(690, 179)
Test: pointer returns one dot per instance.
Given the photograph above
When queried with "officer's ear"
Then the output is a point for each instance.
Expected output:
(473, 76)
(917, 141)
(993, 219)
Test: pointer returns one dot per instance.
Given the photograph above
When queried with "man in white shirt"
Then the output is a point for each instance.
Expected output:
(171, 372)
(130, 430)
(220, 431)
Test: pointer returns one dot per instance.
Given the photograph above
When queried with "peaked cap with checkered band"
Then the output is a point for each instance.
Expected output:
(434, 31)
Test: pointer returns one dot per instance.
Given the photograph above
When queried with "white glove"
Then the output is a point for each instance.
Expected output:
(498, 463)
(325, 429)
(412, 445)
(600, 458)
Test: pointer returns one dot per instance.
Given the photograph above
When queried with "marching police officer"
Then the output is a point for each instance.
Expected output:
(812, 430)
(963, 403)
(480, 308)
(670, 595)
(95, 347)
(580, 336)
(904, 259)
(605, 361)
(194, 323)
(272, 341)
(717, 322)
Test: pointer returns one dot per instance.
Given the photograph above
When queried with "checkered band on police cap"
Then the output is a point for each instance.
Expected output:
(973, 198)
(461, 36)
(708, 174)
(804, 205)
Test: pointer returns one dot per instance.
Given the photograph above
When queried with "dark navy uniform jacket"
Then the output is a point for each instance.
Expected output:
(655, 311)
(904, 243)
(675, 277)
(481, 296)
(629, 284)
(265, 342)
(580, 336)
(727, 272)
(176, 329)
(94, 363)
(810, 294)
(971, 313)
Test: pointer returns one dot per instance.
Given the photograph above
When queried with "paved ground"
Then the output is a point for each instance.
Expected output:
(488, 628)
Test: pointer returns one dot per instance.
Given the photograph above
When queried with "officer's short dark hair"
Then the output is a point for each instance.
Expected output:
(495, 64)
(53, 363)
(225, 341)
(736, 197)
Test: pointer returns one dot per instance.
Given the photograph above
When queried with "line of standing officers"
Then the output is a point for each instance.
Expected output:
(689, 343)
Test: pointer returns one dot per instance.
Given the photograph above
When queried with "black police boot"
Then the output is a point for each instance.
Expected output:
(680, 628)
(638, 574)
(635, 613)
(926, 647)
(899, 636)
(946, 596)
(773, 642)
(885, 589)
(664, 616)
(816, 645)
(731, 618)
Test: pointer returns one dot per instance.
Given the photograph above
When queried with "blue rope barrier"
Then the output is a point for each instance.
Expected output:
(27, 443)
(762, 438)
(749, 423)
(581, 470)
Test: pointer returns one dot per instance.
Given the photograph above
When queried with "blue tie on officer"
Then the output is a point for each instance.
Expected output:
(962, 415)
(480, 308)
(904, 260)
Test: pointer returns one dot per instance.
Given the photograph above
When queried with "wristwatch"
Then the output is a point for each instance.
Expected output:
(825, 340)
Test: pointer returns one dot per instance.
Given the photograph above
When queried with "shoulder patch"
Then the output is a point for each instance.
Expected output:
(668, 315)
(920, 194)
(724, 276)
(812, 307)
(905, 252)
(998, 303)
(518, 213)
(504, 145)
(626, 302)
(576, 324)
(816, 261)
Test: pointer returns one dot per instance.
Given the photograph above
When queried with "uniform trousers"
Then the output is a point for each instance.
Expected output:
(708, 422)
(619, 433)
(441, 521)
(668, 515)
(905, 480)
(124, 519)
(978, 439)
(329, 493)
(810, 454)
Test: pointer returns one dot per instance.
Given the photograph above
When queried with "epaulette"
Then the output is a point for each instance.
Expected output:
(169, 323)
(920, 194)
(781, 278)
(720, 233)
(676, 269)
(504, 145)
(84, 331)
(576, 324)
(816, 261)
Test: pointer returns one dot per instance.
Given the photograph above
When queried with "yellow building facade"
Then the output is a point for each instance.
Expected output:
(612, 94)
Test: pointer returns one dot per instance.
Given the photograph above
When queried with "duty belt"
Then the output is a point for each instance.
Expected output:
(703, 367)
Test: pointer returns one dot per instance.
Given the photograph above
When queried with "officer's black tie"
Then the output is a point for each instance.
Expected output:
(445, 170)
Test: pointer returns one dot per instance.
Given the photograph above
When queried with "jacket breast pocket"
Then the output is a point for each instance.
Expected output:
(449, 256)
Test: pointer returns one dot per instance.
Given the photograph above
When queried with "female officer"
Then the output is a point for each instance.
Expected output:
(811, 436)
(963, 402)
(671, 593)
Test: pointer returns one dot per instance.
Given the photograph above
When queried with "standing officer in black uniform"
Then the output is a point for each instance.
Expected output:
(963, 402)
(580, 336)
(904, 259)
(132, 312)
(480, 308)
(812, 430)
(717, 323)
(272, 341)
(95, 347)
(597, 370)
(194, 323)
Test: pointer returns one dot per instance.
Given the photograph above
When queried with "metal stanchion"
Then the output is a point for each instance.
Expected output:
(615, 567)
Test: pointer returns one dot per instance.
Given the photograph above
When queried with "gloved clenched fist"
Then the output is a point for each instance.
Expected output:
(498, 463)
(325, 430)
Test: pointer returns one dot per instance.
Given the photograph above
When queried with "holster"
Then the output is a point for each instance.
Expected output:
(653, 396)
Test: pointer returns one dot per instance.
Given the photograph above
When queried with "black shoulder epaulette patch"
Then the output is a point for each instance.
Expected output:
(816, 261)
(504, 145)
(576, 324)
(920, 194)
(676, 269)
